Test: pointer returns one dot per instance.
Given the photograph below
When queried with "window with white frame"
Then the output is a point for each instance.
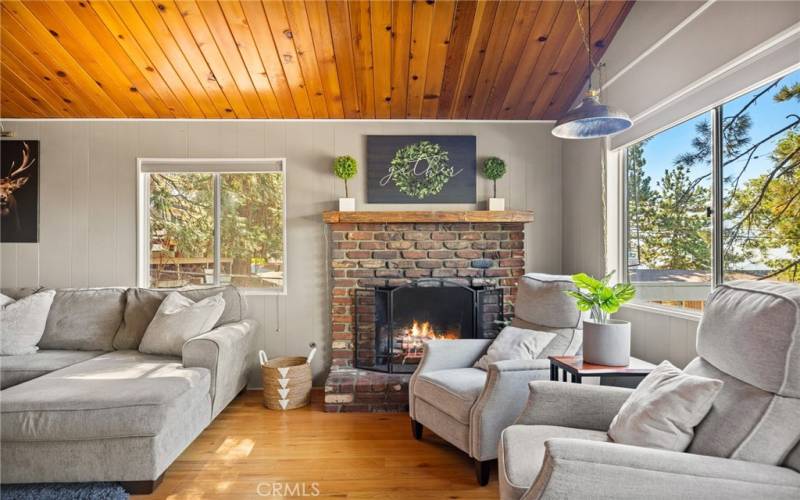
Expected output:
(212, 222)
(716, 198)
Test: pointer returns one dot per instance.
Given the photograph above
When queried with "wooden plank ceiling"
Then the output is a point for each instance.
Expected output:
(297, 59)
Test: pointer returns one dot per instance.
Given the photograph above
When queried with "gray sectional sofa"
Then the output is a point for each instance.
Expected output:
(88, 406)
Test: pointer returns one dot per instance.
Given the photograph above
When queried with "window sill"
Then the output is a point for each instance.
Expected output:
(672, 312)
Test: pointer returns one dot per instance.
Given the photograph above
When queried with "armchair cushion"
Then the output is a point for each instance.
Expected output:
(664, 409)
(451, 391)
(522, 451)
(541, 300)
(750, 330)
(567, 341)
(515, 344)
(745, 422)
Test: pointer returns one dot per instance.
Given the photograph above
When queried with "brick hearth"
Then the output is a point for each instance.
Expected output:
(375, 254)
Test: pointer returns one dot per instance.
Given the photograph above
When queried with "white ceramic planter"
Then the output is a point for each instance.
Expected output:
(607, 343)
(497, 204)
(347, 204)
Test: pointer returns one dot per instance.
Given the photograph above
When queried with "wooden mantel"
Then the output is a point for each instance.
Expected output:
(334, 217)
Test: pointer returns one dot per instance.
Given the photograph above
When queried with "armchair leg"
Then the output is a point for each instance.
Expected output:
(482, 471)
(416, 429)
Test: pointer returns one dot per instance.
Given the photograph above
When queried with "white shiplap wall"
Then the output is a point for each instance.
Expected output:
(88, 200)
(656, 336)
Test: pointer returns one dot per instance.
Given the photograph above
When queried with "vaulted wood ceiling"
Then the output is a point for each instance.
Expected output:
(297, 59)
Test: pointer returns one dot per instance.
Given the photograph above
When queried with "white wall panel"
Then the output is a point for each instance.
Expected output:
(88, 202)
(656, 336)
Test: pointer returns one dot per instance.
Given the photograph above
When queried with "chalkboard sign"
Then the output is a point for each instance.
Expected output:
(421, 169)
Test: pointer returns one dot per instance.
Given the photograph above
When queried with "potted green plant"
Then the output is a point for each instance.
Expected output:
(606, 341)
(494, 168)
(345, 168)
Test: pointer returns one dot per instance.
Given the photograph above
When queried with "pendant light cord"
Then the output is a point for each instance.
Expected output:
(586, 32)
(587, 44)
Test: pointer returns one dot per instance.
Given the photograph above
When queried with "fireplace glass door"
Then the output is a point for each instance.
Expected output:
(394, 323)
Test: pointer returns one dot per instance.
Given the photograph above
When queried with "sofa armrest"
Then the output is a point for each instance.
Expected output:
(572, 405)
(501, 401)
(223, 351)
(575, 468)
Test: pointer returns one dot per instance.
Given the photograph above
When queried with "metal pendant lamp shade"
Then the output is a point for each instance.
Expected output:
(590, 119)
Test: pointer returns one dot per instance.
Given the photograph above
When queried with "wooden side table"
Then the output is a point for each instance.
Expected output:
(575, 366)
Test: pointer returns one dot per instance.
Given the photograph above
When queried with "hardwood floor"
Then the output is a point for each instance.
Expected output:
(249, 450)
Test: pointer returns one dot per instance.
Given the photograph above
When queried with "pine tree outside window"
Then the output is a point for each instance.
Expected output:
(742, 158)
(212, 222)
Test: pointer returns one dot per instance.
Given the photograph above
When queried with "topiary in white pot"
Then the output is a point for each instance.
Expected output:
(606, 341)
(494, 168)
(345, 168)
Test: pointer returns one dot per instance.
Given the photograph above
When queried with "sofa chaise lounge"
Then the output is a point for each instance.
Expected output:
(88, 406)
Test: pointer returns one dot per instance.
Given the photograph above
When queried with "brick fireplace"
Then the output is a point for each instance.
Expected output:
(369, 250)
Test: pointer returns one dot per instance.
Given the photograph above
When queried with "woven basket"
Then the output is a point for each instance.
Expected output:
(287, 383)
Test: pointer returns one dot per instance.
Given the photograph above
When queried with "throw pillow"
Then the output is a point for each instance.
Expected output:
(515, 343)
(22, 322)
(664, 409)
(179, 319)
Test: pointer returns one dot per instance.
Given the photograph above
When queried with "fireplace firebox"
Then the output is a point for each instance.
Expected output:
(394, 323)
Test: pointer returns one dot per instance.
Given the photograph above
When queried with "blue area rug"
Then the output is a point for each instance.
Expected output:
(63, 491)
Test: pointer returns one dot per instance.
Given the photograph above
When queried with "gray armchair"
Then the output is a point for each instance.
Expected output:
(748, 446)
(469, 407)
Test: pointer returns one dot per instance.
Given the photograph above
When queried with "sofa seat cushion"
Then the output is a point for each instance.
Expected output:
(452, 391)
(17, 369)
(522, 452)
(118, 394)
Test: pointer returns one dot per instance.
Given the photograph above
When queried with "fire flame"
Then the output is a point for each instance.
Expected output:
(415, 336)
(424, 330)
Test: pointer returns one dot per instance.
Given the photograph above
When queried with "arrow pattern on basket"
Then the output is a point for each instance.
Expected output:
(284, 382)
(283, 403)
(283, 371)
(284, 393)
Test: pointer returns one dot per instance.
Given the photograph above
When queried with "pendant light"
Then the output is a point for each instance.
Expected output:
(591, 119)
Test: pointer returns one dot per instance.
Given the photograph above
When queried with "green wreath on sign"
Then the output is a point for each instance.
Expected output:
(420, 170)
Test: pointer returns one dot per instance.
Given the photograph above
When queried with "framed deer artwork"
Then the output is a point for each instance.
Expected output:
(19, 191)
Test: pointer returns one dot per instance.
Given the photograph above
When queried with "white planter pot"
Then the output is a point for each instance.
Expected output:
(347, 204)
(497, 204)
(607, 343)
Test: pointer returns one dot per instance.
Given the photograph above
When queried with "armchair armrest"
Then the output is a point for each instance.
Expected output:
(501, 401)
(223, 351)
(574, 468)
(512, 365)
(572, 405)
(449, 354)
(445, 355)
